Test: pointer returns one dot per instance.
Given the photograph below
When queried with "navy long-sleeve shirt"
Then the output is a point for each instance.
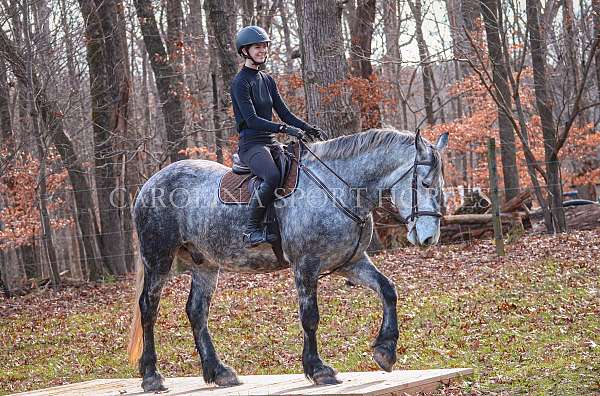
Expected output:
(254, 95)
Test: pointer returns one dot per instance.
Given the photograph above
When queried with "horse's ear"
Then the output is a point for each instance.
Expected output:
(442, 142)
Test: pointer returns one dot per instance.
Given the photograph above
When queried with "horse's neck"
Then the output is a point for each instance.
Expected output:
(372, 169)
(371, 172)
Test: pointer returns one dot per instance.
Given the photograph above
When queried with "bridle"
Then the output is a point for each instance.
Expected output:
(415, 212)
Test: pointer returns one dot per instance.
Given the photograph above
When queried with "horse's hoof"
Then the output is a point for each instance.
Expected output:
(227, 377)
(385, 357)
(154, 383)
(325, 375)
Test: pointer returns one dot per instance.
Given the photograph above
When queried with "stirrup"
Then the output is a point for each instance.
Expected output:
(265, 237)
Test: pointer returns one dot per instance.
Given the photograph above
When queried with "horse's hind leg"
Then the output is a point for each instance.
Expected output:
(306, 276)
(204, 281)
(364, 273)
(155, 275)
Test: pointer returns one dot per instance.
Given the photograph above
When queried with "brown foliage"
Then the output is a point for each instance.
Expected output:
(18, 186)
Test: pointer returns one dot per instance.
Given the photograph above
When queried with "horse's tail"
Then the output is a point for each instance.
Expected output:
(136, 341)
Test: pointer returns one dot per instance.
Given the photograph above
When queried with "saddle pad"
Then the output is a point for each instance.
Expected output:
(233, 188)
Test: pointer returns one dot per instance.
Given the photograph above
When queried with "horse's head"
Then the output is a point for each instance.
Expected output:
(418, 195)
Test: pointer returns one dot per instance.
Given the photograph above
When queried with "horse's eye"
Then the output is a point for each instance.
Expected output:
(426, 184)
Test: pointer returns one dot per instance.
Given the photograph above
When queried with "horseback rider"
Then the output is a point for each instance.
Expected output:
(254, 95)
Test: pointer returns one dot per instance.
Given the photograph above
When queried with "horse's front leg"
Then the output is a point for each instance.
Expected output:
(306, 276)
(364, 273)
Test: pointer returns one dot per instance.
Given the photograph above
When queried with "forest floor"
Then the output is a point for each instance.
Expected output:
(528, 323)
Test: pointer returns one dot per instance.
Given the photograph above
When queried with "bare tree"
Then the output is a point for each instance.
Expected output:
(50, 115)
(221, 22)
(544, 108)
(5, 120)
(596, 19)
(427, 72)
(168, 81)
(105, 93)
(361, 35)
(221, 18)
(491, 17)
(323, 65)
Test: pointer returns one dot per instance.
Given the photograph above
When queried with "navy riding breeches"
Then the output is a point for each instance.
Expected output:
(260, 160)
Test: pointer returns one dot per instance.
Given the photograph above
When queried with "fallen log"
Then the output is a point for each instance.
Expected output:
(584, 217)
(480, 218)
(517, 203)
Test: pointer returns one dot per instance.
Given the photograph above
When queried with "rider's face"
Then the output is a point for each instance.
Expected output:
(258, 52)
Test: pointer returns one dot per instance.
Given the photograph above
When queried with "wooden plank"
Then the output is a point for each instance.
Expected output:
(377, 383)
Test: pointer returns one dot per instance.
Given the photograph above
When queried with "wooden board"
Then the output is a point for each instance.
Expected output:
(376, 383)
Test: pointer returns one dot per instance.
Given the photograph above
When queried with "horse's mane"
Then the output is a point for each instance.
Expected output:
(358, 143)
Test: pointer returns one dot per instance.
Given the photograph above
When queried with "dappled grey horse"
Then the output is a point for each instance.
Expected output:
(324, 228)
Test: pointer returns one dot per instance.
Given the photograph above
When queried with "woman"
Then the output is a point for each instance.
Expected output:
(254, 95)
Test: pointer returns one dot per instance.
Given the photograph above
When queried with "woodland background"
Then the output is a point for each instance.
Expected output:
(95, 96)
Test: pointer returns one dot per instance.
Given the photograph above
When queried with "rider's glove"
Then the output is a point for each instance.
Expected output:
(293, 131)
(316, 133)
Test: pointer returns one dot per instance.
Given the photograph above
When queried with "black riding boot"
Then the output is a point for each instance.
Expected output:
(255, 232)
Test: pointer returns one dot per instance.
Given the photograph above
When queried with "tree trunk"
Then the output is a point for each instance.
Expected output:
(247, 12)
(30, 264)
(596, 18)
(175, 44)
(470, 12)
(427, 72)
(4, 278)
(221, 18)
(458, 40)
(361, 35)
(216, 118)
(21, 115)
(221, 23)
(287, 38)
(166, 78)
(393, 57)
(324, 67)
(48, 244)
(71, 57)
(5, 121)
(196, 71)
(107, 117)
(543, 104)
(111, 13)
(490, 12)
(573, 63)
(268, 19)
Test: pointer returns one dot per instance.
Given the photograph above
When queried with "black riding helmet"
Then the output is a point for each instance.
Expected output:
(250, 35)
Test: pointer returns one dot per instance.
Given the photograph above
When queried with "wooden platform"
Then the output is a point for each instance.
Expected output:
(376, 383)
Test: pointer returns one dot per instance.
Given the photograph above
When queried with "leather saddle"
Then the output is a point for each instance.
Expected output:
(237, 185)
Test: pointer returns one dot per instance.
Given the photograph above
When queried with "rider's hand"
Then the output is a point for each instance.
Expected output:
(316, 133)
(293, 131)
